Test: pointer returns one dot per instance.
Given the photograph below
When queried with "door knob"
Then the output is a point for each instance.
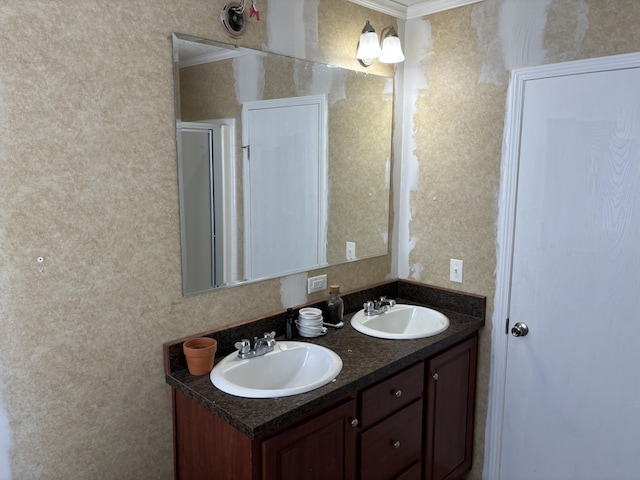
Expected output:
(520, 329)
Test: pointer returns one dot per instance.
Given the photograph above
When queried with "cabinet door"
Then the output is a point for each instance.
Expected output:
(320, 449)
(451, 382)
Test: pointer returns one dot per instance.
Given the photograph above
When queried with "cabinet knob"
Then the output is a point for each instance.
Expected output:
(354, 422)
(398, 393)
(435, 376)
(396, 444)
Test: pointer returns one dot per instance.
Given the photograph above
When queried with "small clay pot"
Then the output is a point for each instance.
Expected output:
(200, 353)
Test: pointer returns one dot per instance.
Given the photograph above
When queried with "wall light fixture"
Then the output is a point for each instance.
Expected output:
(388, 50)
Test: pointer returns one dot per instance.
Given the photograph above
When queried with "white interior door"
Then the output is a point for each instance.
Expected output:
(285, 189)
(572, 385)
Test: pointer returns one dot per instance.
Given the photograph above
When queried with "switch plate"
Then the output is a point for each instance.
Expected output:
(455, 270)
(351, 250)
(317, 284)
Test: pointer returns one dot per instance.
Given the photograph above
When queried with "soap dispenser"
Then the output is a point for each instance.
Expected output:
(335, 307)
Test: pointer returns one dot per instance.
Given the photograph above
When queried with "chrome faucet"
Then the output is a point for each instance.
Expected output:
(376, 307)
(259, 346)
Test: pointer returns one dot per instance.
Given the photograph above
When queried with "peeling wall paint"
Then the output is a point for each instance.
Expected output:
(323, 80)
(249, 84)
(293, 291)
(293, 28)
(521, 27)
(418, 52)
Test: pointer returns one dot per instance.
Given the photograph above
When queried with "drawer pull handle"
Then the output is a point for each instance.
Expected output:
(354, 422)
(398, 393)
(435, 376)
(396, 444)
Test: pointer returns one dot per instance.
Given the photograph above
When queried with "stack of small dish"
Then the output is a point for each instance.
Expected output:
(309, 323)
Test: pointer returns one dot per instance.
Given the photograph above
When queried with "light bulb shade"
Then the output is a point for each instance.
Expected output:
(391, 50)
(368, 48)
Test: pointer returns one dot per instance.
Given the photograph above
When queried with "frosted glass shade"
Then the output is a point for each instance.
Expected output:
(368, 48)
(391, 50)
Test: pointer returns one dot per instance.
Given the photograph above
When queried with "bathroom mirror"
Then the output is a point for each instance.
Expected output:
(323, 198)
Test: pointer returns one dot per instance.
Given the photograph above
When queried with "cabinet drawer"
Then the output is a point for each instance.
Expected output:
(391, 394)
(392, 446)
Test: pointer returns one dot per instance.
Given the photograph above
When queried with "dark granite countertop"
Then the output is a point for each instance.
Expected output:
(366, 360)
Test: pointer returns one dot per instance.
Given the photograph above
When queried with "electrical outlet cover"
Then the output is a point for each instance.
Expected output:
(351, 250)
(317, 284)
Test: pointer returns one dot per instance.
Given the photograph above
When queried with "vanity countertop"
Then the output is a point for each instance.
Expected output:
(365, 361)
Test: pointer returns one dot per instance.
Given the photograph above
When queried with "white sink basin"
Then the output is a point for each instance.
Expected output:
(291, 368)
(401, 322)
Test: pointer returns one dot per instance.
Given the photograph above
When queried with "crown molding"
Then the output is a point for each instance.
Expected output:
(403, 12)
(385, 6)
(434, 6)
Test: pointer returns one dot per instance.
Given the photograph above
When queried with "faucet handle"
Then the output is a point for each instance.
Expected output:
(243, 346)
(383, 299)
(271, 339)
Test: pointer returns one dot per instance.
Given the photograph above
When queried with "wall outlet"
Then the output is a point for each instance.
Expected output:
(317, 284)
(351, 250)
(455, 270)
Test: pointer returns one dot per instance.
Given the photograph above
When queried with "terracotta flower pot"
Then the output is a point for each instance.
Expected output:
(200, 353)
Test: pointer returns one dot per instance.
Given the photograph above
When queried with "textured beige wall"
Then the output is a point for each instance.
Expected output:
(89, 183)
(456, 122)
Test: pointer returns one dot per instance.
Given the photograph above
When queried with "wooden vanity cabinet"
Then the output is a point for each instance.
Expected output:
(415, 424)
(208, 448)
(449, 415)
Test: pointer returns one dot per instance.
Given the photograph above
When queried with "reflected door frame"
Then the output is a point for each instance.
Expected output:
(293, 140)
(221, 192)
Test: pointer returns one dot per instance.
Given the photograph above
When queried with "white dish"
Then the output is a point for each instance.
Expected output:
(310, 323)
(309, 312)
(310, 328)
(314, 334)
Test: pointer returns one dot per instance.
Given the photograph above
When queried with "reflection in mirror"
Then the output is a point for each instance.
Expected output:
(281, 163)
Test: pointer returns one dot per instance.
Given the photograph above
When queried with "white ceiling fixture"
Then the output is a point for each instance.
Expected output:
(407, 9)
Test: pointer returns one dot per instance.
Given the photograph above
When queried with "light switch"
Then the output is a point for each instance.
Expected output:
(455, 270)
